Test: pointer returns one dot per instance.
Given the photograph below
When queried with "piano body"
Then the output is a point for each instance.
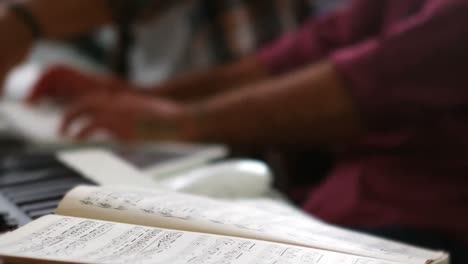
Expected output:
(33, 180)
(32, 185)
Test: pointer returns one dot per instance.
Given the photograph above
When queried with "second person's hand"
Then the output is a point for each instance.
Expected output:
(129, 117)
(66, 85)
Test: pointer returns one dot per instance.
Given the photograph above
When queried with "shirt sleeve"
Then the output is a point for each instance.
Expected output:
(417, 69)
(319, 36)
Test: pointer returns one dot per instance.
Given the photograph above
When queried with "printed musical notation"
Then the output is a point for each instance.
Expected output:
(86, 240)
(221, 215)
(179, 206)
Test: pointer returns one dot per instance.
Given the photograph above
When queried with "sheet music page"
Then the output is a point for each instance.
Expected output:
(275, 206)
(192, 213)
(84, 240)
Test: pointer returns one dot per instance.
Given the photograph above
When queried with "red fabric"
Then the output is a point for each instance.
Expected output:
(406, 65)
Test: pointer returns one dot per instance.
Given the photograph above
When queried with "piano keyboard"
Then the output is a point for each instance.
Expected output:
(33, 180)
(31, 186)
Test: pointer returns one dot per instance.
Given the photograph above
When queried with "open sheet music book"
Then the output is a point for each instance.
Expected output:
(117, 225)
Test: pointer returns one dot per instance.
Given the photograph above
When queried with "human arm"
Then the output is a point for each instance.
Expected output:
(388, 80)
(317, 38)
(198, 85)
(414, 72)
(65, 84)
(62, 19)
(310, 106)
(385, 81)
(57, 20)
(307, 107)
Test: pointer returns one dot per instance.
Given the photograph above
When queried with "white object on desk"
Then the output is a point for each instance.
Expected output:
(161, 160)
(104, 168)
(226, 179)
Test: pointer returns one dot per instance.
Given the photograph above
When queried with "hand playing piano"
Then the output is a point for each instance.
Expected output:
(65, 85)
(129, 117)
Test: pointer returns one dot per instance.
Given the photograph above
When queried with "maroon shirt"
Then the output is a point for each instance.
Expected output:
(405, 62)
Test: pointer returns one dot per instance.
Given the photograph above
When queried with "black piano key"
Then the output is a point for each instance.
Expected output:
(4, 226)
(44, 186)
(52, 194)
(41, 213)
(39, 205)
(29, 162)
(21, 177)
(33, 185)
(11, 142)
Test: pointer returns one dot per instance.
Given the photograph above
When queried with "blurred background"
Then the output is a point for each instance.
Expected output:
(387, 156)
(192, 36)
